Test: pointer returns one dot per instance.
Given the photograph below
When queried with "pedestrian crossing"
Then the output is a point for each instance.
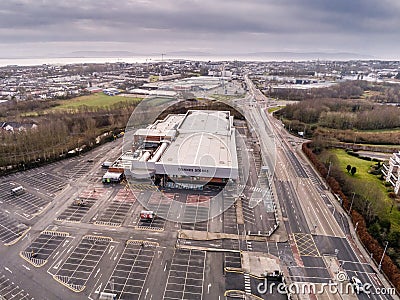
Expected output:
(247, 283)
(253, 188)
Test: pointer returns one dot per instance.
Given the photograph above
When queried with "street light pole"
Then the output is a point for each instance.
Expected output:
(351, 205)
(384, 251)
(329, 170)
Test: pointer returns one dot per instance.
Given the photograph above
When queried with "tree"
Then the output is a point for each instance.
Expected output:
(353, 170)
(348, 168)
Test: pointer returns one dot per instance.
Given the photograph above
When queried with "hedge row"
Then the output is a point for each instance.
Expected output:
(388, 267)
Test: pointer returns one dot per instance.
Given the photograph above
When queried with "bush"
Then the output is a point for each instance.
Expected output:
(352, 153)
(371, 244)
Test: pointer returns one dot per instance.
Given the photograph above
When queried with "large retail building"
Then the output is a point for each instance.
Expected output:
(185, 150)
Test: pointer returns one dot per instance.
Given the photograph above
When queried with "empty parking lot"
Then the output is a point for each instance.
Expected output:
(27, 204)
(196, 212)
(160, 204)
(185, 278)
(10, 290)
(43, 246)
(79, 207)
(44, 182)
(130, 273)
(11, 230)
(77, 269)
(114, 214)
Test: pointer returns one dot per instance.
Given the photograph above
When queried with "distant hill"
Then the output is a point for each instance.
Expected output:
(306, 55)
(96, 54)
(264, 56)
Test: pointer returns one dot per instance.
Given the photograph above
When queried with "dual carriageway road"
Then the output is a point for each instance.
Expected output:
(318, 230)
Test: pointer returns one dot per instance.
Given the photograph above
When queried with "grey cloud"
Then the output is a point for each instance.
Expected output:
(256, 22)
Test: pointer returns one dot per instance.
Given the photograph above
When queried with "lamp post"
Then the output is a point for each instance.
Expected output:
(351, 205)
(329, 170)
(384, 251)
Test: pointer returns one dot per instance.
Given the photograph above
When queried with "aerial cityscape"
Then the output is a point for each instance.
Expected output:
(199, 150)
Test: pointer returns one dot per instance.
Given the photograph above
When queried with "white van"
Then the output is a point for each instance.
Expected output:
(19, 190)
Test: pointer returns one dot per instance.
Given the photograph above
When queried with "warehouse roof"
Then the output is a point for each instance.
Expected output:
(205, 146)
(206, 121)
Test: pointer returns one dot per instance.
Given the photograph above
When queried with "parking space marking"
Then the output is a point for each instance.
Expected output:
(232, 260)
(9, 290)
(125, 195)
(28, 205)
(160, 204)
(186, 276)
(93, 192)
(130, 273)
(75, 212)
(43, 247)
(10, 230)
(196, 213)
(78, 209)
(114, 215)
(77, 169)
(77, 269)
(44, 181)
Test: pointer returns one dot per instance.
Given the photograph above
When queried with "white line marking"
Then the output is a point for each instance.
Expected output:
(26, 267)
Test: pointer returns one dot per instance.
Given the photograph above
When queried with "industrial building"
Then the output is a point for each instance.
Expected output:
(185, 150)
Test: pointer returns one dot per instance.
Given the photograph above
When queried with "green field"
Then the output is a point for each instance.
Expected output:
(362, 174)
(94, 100)
(272, 109)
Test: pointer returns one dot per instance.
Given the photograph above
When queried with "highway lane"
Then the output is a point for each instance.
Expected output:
(315, 206)
(291, 211)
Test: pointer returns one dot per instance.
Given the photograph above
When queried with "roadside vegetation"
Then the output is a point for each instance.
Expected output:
(369, 209)
(353, 116)
(64, 127)
(372, 196)
(63, 130)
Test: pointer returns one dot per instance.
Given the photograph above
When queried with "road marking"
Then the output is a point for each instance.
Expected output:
(7, 269)
(98, 270)
(208, 288)
(98, 289)
(26, 267)
(57, 265)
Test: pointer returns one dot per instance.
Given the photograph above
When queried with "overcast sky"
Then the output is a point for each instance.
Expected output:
(42, 27)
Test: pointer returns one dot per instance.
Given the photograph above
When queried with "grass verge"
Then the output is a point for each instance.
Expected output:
(362, 174)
